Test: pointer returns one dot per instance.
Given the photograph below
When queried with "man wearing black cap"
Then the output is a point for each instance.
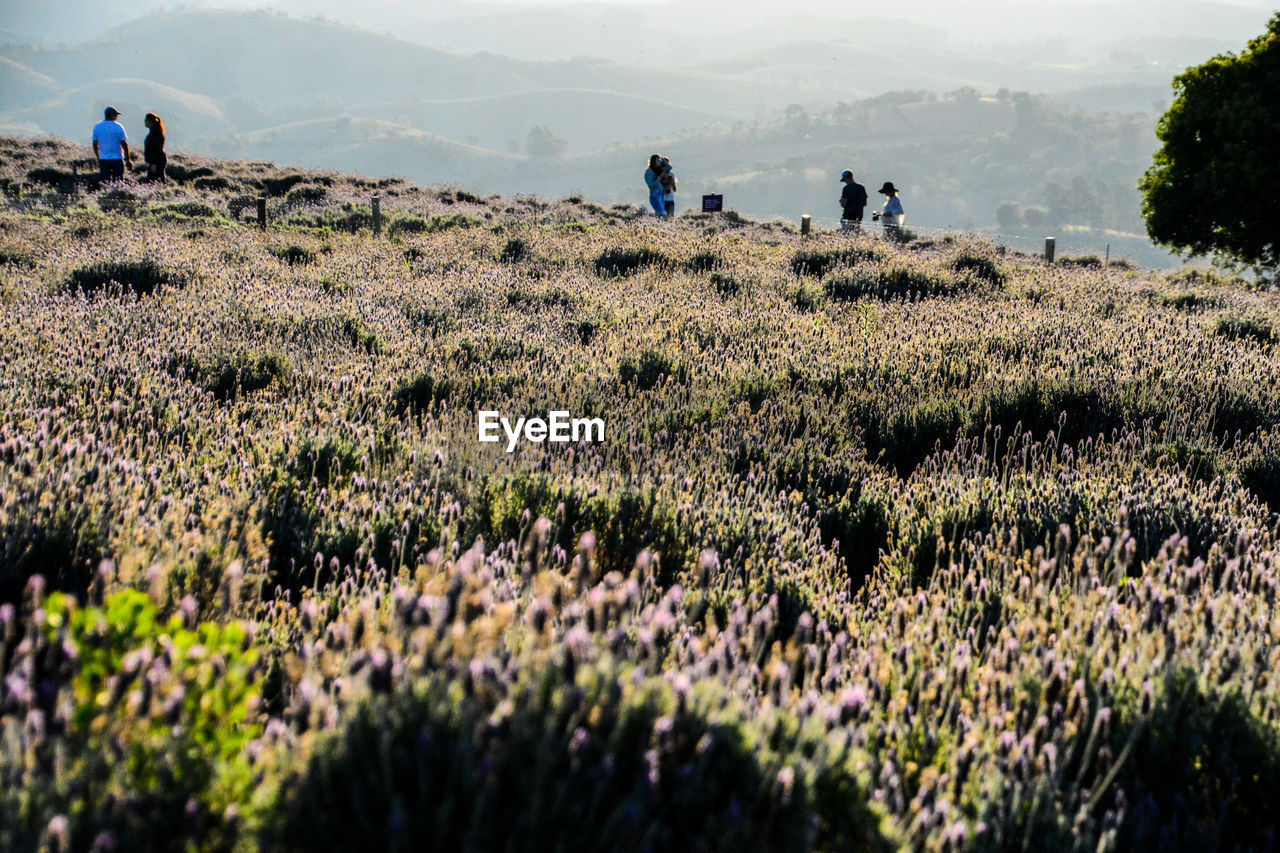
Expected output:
(110, 146)
(853, 198)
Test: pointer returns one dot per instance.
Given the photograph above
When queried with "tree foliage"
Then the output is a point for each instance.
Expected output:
(1213, 186)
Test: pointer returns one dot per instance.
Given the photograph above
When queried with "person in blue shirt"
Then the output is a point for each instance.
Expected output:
(110, 146)
(653, 180)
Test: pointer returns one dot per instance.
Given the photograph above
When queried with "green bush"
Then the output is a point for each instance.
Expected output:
(118, 201)
(193, 210)
(50, 177)
(237, 206)
(1189, 301)
(421, 394)
(212, 184)
(16, 257)
(622, 262)
(278, 185)
(306, 194)
(724, 284)
(573, 764)
(295, 255)
(227, 377)
(407, 223)
(895, 282)
(818, 263)
(646, 371)
(514, 251)
(1253, 329)
(185, 174)
(980, 267)
(806, 299)
(1083, 261)
(138, 277)
(153, 750)
(64, 543)
(1201, 774)
(703, 262)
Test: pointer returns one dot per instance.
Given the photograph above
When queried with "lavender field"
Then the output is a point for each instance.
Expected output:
(922, 546)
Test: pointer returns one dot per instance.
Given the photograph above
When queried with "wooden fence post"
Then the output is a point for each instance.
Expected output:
(1048, 249)
(262, 212)
(377, 215)
(804, 225)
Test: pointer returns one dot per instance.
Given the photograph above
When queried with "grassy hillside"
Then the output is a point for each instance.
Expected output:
(768, 127)
(886, 545)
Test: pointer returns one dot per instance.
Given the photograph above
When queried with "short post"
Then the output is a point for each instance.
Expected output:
(1048, 249)
(804, 225)
(262, 212)
(377, 215)
(1106, 262)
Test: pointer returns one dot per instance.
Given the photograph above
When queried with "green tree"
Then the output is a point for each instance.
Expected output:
(1214, 186)
(1009, 215)
(542, 144)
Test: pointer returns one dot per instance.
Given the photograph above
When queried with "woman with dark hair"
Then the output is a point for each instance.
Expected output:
(153, 152)
(653, 180)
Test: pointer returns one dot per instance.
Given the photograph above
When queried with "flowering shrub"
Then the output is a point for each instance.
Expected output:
(630, 758)
(139, 277)
(132, 730)
(936, 547)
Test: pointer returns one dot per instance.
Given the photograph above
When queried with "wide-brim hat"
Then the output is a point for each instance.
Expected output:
(888, 188)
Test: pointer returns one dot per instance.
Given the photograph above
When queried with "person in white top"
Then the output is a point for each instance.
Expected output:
(891, 214)
(668, 181)
(110, 146)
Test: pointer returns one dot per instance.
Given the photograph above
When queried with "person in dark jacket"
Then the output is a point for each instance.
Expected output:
(153, 149)
(853, 199)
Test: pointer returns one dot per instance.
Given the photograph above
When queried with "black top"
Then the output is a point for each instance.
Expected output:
(853, 198)
(154, 148)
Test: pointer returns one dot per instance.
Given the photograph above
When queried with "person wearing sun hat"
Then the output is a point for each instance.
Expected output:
(110, 146)
(891, 214)
(853, 199)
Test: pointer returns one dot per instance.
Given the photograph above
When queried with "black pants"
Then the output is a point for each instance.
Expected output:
(111, 170)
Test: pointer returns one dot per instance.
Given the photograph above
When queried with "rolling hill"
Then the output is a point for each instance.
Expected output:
(73, 112)
(316, 93)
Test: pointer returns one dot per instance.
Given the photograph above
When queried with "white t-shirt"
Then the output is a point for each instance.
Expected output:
(109, 135)
(892, 213)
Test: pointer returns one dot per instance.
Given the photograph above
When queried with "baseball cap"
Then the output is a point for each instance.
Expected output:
(846, 174)
(110, 111)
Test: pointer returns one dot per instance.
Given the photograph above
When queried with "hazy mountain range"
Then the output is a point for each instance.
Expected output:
(768, 102)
